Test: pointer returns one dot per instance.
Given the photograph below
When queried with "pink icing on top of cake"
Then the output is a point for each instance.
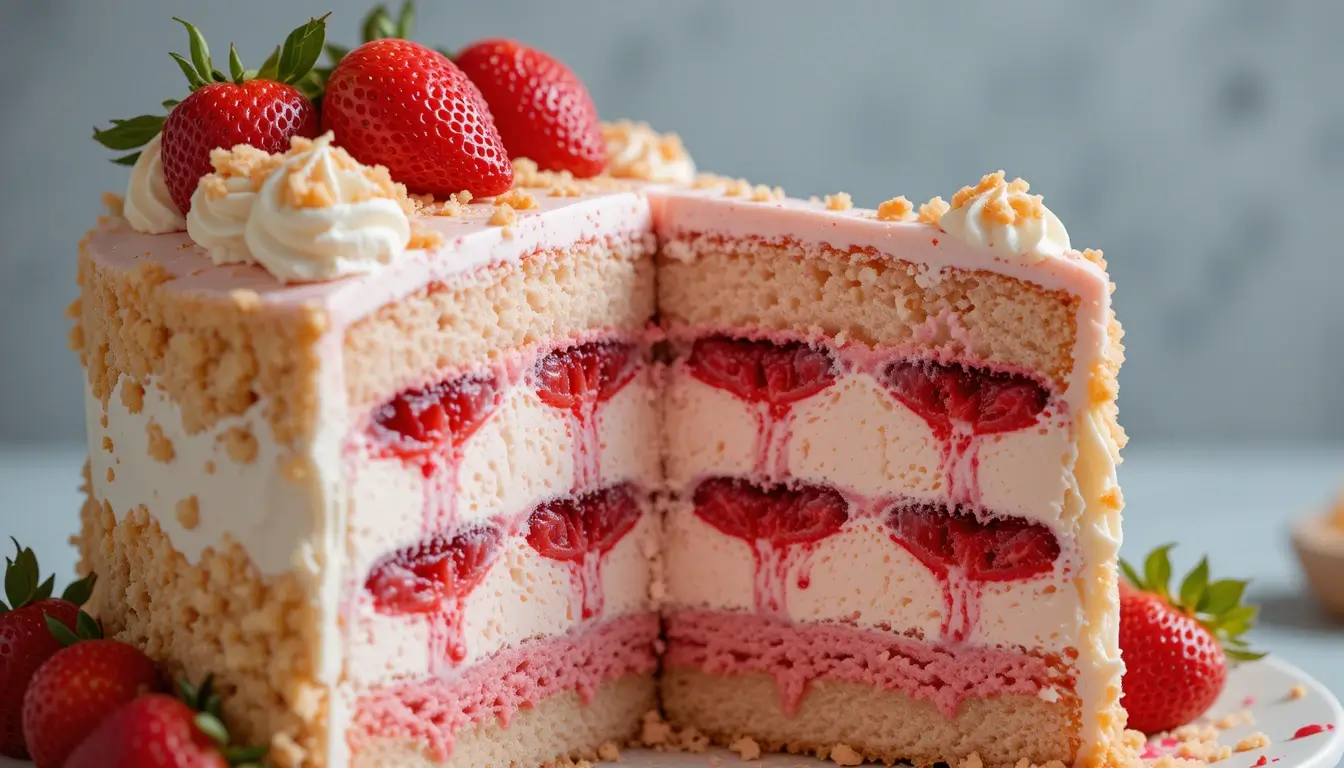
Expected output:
(431, 712)
(798, 654)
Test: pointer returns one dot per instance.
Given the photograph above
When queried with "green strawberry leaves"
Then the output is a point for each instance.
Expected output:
(1215, 604)
(291, 63)
(24, 585)
(86, 628)
(205, 701)
(301, 50)
(380, 24)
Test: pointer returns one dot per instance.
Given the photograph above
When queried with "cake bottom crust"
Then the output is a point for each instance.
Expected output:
(880, 725)
(560, 726)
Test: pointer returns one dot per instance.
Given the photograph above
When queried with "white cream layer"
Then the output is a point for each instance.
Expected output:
(861, 577)
(254, 504)
(520, 457)
(855, 436)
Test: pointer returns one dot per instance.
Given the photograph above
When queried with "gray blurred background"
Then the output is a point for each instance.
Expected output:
(1199, 143)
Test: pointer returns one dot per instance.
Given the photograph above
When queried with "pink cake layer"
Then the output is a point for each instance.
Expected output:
(798, 654)
(431, 712)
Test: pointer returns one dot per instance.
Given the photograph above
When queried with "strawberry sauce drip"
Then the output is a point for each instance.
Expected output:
(428, 427)
(579, 380)
(434, 578)
(962, 404)
(782, 524)
(773, 377)
(965, 548)
(580, 531)
(1311, 730)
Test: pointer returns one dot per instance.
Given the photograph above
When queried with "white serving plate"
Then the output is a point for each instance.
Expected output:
(1264, 684)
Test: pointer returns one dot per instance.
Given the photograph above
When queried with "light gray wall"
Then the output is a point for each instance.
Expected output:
(1200, 143)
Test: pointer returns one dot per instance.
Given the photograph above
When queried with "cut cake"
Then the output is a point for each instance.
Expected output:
(790, 470)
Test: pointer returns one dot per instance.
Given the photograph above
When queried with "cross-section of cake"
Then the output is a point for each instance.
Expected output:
(468, 479)
(890, 448)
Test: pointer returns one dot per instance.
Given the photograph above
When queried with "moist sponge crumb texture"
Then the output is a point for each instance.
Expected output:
(876, 724)
(217, 615)
(870, 299)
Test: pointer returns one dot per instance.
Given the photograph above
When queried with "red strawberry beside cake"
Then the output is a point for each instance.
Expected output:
(473, 430)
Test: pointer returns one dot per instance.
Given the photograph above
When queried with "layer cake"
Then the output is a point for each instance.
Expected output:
(481, 481)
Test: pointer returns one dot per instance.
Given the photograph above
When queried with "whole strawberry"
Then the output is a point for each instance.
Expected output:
(263, 108)
(159, 731)
(25, 639)
(542, 109)
(396, 103)
(75, 690)
(1176, 647)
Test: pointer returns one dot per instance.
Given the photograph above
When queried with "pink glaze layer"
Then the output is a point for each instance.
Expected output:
(798, 654)
(469, 243)
(431, 712)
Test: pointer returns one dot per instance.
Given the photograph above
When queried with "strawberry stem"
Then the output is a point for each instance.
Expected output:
(1215, 605)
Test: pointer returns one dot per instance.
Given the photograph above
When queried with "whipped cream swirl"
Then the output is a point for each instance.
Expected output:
(1002, 217)
(218, 216)
(637, 151)
(312, 214)
(149, 208)
(322, 215)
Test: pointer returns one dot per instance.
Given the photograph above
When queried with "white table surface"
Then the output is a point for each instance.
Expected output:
(1234, 505)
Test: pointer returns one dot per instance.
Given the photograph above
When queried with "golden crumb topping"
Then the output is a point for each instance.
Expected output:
(516, 199)
(114, 204)
(424, 238)
(932, 211)
(244, 162)
(160, 447)
(637, 151)
(189, 512)
(896, 209)
(527, 175)
(326, 180)
(840, 201)
(240, 444)
(503, 216)
(1007, 203)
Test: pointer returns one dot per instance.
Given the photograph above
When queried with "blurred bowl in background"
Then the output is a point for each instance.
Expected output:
(1319, 542)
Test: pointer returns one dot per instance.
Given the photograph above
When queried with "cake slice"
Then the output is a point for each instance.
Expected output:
(890, 449)
(404, 517)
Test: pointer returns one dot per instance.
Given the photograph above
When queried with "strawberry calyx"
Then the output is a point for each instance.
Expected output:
(204, 701)
(24, 585)
(1216, 605)
(291, 63)
(380, 24)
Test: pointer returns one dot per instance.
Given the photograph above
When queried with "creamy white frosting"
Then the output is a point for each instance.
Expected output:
(1028, 237)
(323, 243)
(635, 150)
(217, 222)
(149, 208)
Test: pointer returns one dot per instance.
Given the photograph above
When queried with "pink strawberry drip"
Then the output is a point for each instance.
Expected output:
(428, 428)
(434, 578)
(962, 404)
(781, 523)
(965, 547)
(797, 655)
(579, 380)
(773, 377)
(580, 531)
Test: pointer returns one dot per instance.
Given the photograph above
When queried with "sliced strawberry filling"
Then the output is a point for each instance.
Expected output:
(579, 380)
(965, 547)
(780, 523)
(773, 376)
(580, 531)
